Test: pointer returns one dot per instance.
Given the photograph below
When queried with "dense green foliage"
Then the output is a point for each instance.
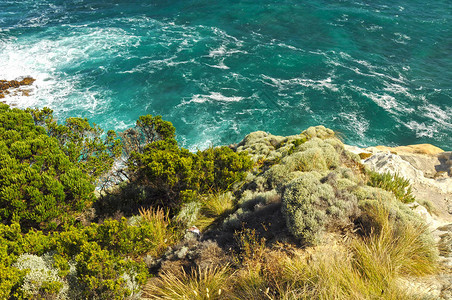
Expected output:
(48, 173)
(47, 176)
(148, 129)
(399, 186)
(39, 184)
(175, 175)
(83, 143)
(100, 255)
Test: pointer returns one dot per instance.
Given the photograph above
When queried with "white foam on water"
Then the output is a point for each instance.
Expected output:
(385, 101)
(401, 38)
(207, 143)
(49, 61)
(357, 123)
(220, 65)
(373, 28)
(282, 84)
(154, 65)
(364, 68)
(212, 97)
(437, 114)
(422, 129)
(283, 45)
(218, 52)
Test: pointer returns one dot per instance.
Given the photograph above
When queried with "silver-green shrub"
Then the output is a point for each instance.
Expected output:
(234, 220)
(317, 154)
(313, 203)
(250, 199)
(189, 213)
(279, 175)
(321, 185)
(42, 279)
(371, 198)
(319, 131)
(131, 283)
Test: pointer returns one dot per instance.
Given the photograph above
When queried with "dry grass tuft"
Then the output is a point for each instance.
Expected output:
(365, 268)
(214, 207)
(201, 284)
(159, 224)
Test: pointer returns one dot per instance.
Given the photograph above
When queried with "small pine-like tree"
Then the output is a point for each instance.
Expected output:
(40, 185)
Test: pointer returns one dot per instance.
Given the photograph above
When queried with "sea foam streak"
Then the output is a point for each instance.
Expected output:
(213, 96)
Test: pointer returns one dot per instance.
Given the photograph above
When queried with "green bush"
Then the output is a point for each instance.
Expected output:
(91, 260)
(148, 129)
(41, 279)
(312, 204)
(10, 277)
(99, 273)
(175, 175)
(39, 184)
(395, 184)
(82, 142)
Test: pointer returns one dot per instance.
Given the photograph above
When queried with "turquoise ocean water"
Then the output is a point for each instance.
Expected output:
(378, 71)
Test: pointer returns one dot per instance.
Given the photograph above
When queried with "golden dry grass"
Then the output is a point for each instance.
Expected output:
(200, 284)
(159, 224)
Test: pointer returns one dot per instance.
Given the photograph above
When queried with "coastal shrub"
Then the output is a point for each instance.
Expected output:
(331, 273)
(189, 213)
(393, 183)
(148, 129)
(41, 279)
(394, 248)
(315, 154)
(98, 273)
(166, 169)
(10, 277)
(211, 207)
(313, 203)
(235, 220)
(250, 199)
(251, 279)
(360, 269)
(158, 232)
(217, 204)
(278, 176)
(320, 132)
(370, 198)
(100, 253)
(258, 144)
(305, 220)
(175, 175)
(268, 149)
(91, 260)
(40, 186)
(84, 144)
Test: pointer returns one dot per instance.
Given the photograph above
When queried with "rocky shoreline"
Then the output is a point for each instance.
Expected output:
(15, 87)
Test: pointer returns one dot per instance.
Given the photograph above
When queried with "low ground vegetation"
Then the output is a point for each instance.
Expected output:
(293, 217)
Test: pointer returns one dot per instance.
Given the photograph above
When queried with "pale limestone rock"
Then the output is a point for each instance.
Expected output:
(425, 149)
(384, 162)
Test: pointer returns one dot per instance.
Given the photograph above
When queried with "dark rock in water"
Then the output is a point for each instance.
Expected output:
(6, 85)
